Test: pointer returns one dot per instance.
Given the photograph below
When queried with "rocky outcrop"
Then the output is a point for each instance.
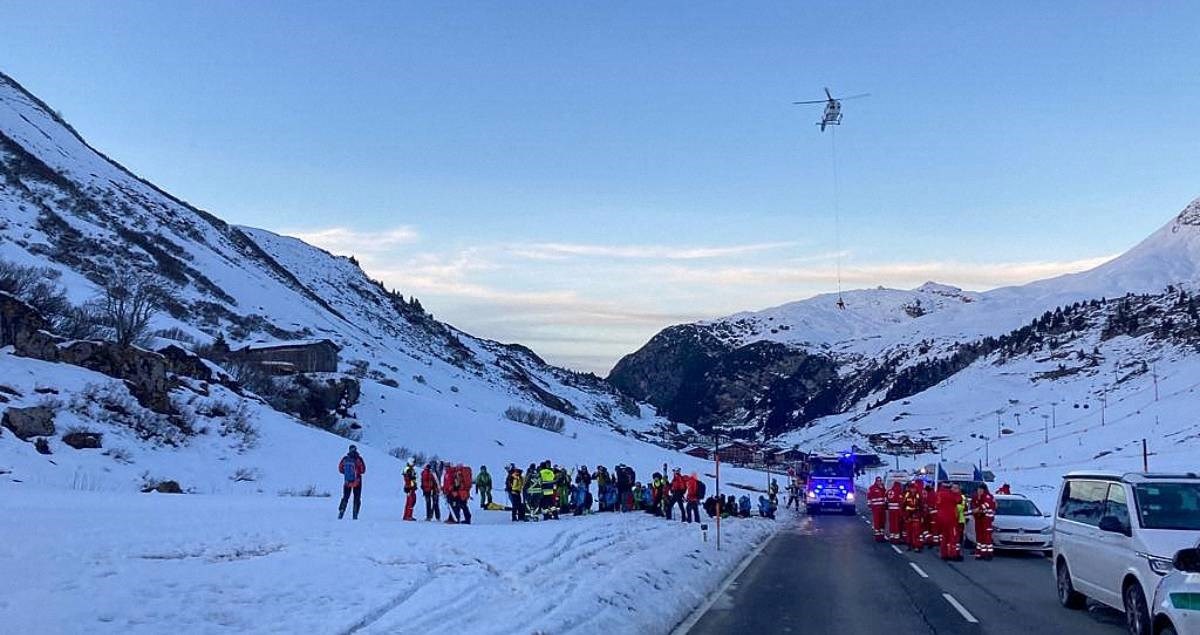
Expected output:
(321, 400)
(673, 359)
(27, 423)
(764, 388)
(20, 324)
(83, 440)
(145, 372)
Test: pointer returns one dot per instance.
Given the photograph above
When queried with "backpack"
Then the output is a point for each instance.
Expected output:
(699, 489)
(350, 468)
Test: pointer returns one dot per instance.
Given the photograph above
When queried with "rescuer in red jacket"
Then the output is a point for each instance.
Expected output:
(678, 490)
(877, 501)
(949, 500)
(410, 490)
(983, 507)
(895, 515)
(933, 534)
(914, 512)
(429, 489)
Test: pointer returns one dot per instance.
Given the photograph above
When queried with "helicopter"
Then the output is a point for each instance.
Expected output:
(833, 108)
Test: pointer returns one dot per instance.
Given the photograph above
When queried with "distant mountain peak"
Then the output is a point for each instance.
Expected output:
(939, 288)
(1190, 214)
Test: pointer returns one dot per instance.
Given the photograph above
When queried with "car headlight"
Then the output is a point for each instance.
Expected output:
(1158, 564)
(1046, 530)
(850, 496)
(812, 494)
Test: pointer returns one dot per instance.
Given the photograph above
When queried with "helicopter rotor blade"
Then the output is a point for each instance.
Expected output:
(855, 96)
(816, 101)
(827, 94)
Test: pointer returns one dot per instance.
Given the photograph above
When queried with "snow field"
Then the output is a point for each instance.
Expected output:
(133, 563)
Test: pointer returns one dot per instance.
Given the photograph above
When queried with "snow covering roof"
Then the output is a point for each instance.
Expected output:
(258, 346)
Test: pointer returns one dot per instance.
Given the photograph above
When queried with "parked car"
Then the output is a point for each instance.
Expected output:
(1115, 538)
(892, 476)
(1176, 603)
(1019, 525)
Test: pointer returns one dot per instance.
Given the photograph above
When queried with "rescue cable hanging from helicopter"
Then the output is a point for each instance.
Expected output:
(832, 116)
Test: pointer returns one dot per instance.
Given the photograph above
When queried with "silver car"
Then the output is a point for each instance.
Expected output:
(1019, 526)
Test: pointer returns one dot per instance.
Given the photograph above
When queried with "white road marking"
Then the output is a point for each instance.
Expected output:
(897, 550)
(919, 570)
(962, 610)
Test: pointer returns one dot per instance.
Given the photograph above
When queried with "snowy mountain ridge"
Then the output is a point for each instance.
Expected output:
(778, 369)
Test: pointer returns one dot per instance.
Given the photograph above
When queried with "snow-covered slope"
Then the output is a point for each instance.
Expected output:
(83, 217)
(1115, 374)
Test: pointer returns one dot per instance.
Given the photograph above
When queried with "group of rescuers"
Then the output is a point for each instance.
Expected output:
(548, 490)
(921, 516)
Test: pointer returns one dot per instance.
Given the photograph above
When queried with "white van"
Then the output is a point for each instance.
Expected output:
(1115, 537)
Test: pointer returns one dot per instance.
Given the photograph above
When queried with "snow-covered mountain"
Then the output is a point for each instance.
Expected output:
(81, 218)
(780, 369)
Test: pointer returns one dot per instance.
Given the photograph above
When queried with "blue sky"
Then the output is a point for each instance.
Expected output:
(576, 175)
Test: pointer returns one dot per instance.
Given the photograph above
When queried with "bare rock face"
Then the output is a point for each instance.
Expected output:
(27, 423)
(145, 372)
(83, 440)
(20, 323)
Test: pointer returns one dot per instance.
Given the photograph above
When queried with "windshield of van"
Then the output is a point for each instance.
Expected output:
(1016, 507)
(1169, 505)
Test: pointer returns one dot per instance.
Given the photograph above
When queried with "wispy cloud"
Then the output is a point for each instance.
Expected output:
(968, 275)
(587, 304)
(559, 251)
(346, 241)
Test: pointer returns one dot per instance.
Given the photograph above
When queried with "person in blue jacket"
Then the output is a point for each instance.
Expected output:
(766, 508)
(744, 506)
(610, 498)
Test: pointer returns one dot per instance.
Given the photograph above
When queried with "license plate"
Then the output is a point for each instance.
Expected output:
(1024, 539)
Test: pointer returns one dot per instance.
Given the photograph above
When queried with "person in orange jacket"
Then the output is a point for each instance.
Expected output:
(895, 513)
(429, 489)
(450, 492)
(410, 490)
(877, 501)
(678, 490)
(462, 490)
(983, 507)
(914, 511)
(949, 500)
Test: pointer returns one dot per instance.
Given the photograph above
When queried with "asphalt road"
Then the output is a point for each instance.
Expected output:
(825, 574)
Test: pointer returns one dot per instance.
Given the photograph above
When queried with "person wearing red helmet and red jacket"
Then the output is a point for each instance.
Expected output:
(410, 490)
(877, 501)
(429, 489)
(351, 467)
